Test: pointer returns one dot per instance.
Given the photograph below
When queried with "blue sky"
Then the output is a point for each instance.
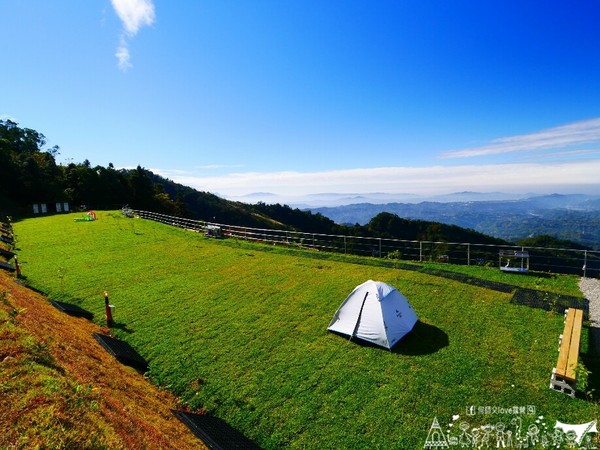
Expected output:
(302, 97)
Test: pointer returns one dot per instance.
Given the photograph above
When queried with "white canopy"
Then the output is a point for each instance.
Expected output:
(375, 312)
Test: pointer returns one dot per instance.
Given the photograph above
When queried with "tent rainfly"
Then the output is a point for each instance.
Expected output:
(375, 312)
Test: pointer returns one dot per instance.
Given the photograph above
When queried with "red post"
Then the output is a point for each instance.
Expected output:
(109, 319)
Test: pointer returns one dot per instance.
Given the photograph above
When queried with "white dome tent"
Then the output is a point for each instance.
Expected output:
(375, 312)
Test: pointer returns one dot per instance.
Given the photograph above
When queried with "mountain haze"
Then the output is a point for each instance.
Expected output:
(568, 217)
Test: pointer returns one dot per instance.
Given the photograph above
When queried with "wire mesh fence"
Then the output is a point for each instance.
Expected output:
(555, 260)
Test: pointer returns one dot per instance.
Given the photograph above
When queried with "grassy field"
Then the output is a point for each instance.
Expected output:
(239, 330)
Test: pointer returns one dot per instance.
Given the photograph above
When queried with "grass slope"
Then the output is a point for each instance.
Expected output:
(60, 390)
(240, 330)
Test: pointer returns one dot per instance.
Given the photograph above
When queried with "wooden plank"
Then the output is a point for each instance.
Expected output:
(574, 346)
(563, 355)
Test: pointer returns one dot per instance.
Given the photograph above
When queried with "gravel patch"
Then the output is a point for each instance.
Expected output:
(590, 287)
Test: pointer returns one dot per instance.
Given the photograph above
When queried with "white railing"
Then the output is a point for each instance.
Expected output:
(555, 260)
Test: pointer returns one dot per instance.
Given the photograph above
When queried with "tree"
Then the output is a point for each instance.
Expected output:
(28, 172)
(142, 189)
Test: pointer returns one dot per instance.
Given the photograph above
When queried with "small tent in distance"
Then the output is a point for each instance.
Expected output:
(374, 312)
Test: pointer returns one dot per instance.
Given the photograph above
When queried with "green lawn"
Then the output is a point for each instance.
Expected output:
(565, 285)
(239, 330)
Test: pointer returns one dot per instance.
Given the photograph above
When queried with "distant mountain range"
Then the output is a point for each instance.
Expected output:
(569, 217)
(331, 199)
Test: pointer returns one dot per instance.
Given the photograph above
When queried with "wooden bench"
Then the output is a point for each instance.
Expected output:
(564, 377)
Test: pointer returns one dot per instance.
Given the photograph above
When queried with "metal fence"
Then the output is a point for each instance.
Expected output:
(555, 260)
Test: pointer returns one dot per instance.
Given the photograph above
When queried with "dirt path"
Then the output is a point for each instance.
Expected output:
(590, 287)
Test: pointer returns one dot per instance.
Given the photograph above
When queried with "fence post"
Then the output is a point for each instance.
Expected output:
(107, 307)
(380, 247)
(468, 254)
(345, 246)
(420, 251)
(584, 263)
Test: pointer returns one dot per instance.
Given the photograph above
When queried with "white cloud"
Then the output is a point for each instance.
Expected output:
(577, 133)
(513, 178)
(134, 14)
(123, 56)
(219, 166)
(561, 154)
